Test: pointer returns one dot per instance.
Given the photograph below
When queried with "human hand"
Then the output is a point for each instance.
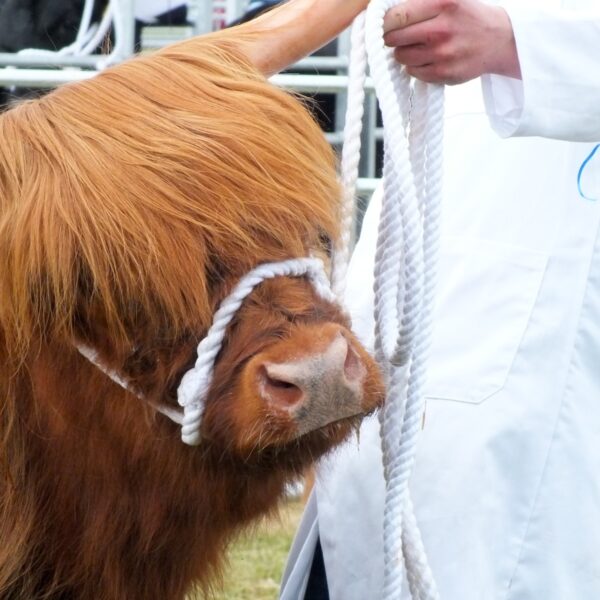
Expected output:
(451, 41)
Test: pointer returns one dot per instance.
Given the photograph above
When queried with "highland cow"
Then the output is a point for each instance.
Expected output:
(130, 205)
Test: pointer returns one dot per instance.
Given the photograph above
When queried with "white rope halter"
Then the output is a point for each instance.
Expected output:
(405, 273)
(195, 383)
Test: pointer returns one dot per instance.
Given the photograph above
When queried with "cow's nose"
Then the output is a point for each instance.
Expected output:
(317, 388)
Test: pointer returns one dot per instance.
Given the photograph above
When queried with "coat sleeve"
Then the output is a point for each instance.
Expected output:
(559, 95)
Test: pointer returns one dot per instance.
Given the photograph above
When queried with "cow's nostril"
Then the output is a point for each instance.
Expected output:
(354, 370)
(277, 390)
(280, 384)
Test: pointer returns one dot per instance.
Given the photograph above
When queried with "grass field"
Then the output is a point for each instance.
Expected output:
(258, 559)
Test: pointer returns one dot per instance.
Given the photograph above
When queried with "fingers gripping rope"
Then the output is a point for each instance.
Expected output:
(405, 267)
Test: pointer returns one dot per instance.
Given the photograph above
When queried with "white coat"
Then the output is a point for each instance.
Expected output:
(506, 483)
(148, 10)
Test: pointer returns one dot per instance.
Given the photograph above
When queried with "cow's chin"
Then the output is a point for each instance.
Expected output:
(335, 433)
(301, 452)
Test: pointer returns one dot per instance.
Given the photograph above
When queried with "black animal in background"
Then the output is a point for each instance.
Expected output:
(44, 24)
(53, 24)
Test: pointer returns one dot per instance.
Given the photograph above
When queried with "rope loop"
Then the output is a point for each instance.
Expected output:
(195, 384)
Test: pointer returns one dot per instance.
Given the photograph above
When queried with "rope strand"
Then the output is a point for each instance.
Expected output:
(357, 73)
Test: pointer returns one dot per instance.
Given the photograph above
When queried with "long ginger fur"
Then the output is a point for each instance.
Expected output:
(129, 205)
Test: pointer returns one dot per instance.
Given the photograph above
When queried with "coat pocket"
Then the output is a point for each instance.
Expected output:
(486, 294)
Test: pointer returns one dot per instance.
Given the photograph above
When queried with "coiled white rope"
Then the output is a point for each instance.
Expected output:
(405, 275)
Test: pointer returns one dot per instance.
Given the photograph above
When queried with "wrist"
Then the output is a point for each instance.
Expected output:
(504, 58)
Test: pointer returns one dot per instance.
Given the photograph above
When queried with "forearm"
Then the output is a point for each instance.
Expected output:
(287, 33)
(559, 96)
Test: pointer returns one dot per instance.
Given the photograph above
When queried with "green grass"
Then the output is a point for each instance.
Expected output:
(257, 560)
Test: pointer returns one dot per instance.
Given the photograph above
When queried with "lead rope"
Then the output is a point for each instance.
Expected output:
(357, 74)
(405, 274)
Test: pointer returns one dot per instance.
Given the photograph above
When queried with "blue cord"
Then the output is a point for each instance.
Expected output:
(582, 169)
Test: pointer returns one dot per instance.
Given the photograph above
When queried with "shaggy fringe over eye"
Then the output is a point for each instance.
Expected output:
(132, 191)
